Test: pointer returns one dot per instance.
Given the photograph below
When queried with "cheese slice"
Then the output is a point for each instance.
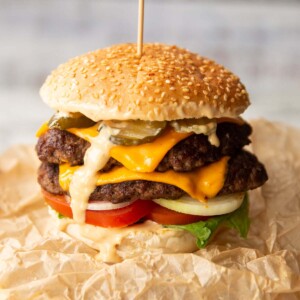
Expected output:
(202, 183)
(146, 157)
(141, 158)
(43, 129)
(85, 133)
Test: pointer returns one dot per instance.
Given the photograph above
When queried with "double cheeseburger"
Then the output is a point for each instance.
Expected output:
(146, 153)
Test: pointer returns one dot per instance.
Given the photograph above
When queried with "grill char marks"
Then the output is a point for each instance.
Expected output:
(57, 146)
(244, 172)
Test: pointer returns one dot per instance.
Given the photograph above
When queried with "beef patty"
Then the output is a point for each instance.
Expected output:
(244, 172)
(58, 146)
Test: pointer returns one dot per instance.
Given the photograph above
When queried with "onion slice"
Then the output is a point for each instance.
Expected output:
(106, 205)
(215, 206)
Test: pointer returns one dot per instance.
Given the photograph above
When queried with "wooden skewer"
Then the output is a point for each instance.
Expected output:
(140, 28)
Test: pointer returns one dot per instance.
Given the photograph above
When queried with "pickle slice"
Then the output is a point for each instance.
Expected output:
(198, 126)
(135, 132)
(75, 120)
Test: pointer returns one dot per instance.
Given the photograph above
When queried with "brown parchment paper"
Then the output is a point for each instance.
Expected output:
(38, 262)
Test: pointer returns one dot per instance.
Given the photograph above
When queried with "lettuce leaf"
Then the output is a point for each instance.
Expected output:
(203, 230)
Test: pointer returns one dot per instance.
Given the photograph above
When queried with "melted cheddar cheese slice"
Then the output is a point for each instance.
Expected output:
(42, 130)
(141, 158)
(85, 133)
(146, 157)
(199, 184)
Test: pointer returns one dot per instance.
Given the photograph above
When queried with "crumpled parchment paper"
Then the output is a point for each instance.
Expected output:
(39, 262)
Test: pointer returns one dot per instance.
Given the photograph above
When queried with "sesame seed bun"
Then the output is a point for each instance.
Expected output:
(165, 83)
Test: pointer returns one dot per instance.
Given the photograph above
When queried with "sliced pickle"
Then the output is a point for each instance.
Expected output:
(198, 126)
(75, 120)
(135, 132)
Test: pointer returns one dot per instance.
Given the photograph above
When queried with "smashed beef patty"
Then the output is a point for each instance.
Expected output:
(59, 146)
(244, 173)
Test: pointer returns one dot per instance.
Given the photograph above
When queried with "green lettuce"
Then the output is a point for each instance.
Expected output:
(204, 230)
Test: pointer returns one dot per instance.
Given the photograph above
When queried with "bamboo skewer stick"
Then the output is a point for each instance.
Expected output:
(140, 28)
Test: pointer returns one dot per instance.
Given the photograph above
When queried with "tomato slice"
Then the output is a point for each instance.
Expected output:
(124, 216)
(165, 216)
(120, 217)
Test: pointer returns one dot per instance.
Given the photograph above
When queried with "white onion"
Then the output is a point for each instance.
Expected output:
(215, 206)
(106, 205)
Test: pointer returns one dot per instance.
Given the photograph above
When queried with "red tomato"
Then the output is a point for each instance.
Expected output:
(120, 217)
(165, 216)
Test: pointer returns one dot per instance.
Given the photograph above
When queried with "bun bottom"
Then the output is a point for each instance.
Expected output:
(116, 244)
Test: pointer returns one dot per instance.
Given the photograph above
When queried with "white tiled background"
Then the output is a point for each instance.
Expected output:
(258, 40)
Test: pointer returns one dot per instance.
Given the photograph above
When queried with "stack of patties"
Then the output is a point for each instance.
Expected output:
(152, 145)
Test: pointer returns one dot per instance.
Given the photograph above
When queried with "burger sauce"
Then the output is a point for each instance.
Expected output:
(84, 180)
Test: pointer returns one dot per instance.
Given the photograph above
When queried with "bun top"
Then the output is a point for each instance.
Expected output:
(165, 83)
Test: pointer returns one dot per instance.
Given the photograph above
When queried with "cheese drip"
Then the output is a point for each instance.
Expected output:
(146, 157)
(203, 182)
(84, 179)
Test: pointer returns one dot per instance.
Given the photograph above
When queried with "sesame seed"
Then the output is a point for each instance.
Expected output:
(187, 97)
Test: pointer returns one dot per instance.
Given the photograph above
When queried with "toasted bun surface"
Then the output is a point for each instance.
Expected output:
(165, 83)
(134, 241)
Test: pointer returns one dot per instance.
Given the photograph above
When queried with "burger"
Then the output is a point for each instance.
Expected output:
(145, 153)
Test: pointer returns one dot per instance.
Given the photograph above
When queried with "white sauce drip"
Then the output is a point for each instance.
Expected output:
(84, 180)
(210, 130)
(116, 244)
